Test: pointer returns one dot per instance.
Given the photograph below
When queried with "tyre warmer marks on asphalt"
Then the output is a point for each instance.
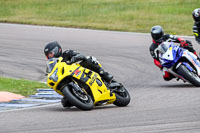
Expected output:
(10, 101)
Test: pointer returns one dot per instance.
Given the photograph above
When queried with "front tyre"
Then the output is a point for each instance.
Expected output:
(188, 75)
(122, 97)
(78, 99)
(65, 102)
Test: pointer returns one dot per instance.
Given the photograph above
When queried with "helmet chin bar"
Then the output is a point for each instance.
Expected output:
(50, 55)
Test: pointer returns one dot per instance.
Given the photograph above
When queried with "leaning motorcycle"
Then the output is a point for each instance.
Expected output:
(82, 87)
(180, 62)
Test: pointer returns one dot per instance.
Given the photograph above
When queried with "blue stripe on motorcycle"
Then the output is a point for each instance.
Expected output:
(188, 66)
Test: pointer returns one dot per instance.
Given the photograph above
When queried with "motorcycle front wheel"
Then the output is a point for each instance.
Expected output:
(78, 99)
(122, 97)
(188, 75)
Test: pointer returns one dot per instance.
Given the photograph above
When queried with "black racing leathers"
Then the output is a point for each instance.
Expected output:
(196, 31)
(70, 56)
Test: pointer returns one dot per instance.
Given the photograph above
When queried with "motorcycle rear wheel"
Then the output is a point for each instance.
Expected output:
(122, 97)
(190, 76)
(84, 103)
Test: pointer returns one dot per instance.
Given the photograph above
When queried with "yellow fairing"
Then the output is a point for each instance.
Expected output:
(61, 66)
(99, 91)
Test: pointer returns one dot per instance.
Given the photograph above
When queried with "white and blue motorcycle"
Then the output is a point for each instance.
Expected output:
(180, 62)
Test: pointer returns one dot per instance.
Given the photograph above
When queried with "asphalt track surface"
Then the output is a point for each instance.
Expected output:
(156, 106)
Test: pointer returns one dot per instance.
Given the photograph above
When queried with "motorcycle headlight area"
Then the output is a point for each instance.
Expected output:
(54, 76)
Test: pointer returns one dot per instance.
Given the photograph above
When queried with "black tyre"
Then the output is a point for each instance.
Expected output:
(81, 101)
(122, 97)
(65, 103)
(192, 77)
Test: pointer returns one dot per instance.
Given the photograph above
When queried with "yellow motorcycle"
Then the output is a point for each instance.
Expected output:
(82, 87)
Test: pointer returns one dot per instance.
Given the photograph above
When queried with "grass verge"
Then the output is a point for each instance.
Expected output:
(121, 15)
(22, 87)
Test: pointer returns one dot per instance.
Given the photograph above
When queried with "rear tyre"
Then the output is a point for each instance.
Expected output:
(122, 97)
(80, 100)
(192, 77)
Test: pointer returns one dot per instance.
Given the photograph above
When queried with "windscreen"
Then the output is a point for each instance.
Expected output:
(163, 47)
(51, 63)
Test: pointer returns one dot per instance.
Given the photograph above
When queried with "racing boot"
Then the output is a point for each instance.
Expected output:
(106, 76)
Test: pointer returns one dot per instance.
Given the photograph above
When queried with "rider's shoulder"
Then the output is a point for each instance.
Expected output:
(166, 36)
(68, 50)
(153, 46)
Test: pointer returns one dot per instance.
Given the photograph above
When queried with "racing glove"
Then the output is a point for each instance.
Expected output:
(78, 57)
(184, 43)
